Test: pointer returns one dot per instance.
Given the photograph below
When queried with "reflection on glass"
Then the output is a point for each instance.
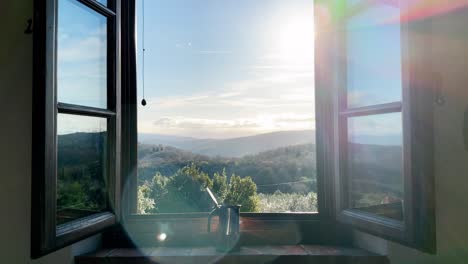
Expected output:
(374, 54)
(81, 167)
(231, 106)
(81, 55)
(104, 2)
(375, 164)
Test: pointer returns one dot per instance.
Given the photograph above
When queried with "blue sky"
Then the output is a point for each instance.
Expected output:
(374, 57)
(81, 56)
(227, 68)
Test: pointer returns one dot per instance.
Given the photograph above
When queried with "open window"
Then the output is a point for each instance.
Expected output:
(76, 122)
(381, 126)
(301, 128)
(230, 105)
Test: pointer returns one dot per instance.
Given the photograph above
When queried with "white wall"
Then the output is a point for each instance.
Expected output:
(449, 58)
(15, 140)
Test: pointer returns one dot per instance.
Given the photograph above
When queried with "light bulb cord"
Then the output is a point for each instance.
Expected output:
(143, 101)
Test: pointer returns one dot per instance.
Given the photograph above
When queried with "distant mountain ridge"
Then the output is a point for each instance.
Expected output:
(376, 170)
(233, 147)
(270, 170)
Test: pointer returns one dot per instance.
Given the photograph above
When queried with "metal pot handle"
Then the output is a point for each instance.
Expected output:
(212, 213)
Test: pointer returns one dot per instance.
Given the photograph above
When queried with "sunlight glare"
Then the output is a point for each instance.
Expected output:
(296, 38)
(162, 237)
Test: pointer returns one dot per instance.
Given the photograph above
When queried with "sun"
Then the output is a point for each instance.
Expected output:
(296, 37)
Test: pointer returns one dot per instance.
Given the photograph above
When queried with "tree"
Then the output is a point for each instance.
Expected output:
(145, 204)
(185, 191)
(243, 191)
(220, 186)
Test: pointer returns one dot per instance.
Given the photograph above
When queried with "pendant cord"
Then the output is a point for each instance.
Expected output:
(143, 102)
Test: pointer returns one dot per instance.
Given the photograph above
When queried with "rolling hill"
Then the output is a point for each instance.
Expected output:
(233, 147)
(292, 168)
(288, 169)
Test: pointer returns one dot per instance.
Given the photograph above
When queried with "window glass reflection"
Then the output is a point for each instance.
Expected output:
(375, 164)
(81, 55)
(104, 2)
(373, 54)
(81, 167)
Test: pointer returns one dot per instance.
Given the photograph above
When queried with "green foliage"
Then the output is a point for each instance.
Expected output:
(287, 202)
(185, 191)
(81, 181)
(243, 191)
(220, 186)
(145, 204)
(72, 195)
(267, 169)
(294, 165)
(369, 199)
(182, 192)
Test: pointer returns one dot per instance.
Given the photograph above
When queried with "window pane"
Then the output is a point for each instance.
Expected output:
(81, 55)
(229, 93)
(375, 164)
(104, 2)
(374, 54)
(81, 168)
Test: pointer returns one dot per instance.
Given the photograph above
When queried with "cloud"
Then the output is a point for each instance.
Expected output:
(276, 94)
(82, 67)
(77, 47)
(270, 67)
(214, 52)
(263, 123)
(183, 45)
(284, 90)
(194, 123)
(68, 124)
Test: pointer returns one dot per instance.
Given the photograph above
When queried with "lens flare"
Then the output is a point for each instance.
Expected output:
(161, 237)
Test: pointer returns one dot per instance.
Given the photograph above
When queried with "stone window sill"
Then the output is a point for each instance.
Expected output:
(248, 254)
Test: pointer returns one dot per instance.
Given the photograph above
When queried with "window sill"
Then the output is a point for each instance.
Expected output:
(248, 254)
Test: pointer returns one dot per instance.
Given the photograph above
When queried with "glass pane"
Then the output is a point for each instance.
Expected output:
(375, 164)
(104, 2)
(374, 54)
(229, 92)
(81, 166)
(81, 55)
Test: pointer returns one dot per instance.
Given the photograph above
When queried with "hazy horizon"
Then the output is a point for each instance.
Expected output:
(228, 137)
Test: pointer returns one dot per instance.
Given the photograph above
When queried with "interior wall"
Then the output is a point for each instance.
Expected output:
(448, 38)
(15, 140)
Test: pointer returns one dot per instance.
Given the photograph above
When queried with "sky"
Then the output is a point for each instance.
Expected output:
(81, 56)
(229, 68)
(221, 69)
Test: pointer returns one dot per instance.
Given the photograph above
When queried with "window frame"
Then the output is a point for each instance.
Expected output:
(417, 229)
(46, 236)
(315, 227)
(257, 228)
